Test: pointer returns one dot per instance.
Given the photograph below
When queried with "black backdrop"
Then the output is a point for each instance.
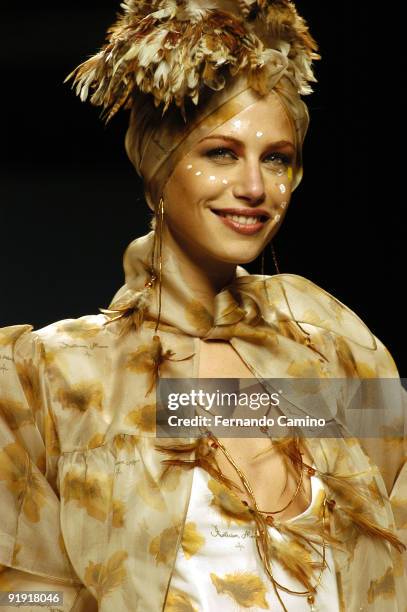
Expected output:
(70, 200)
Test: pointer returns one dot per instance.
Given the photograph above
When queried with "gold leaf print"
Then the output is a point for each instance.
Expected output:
(16, 471)
(290, 330)
(96, 440)
(306, 369)
(399, 507)
(313, 318)
(150, 493)
(375, 492)
(198, 316)
(81, 396)
(192, 540)
(142, 360)
(30, 382)
(104, 578)
(227, 503)
(382, 587)
(15, 414)
(398, 564)
(162, 546)
(9, 335)
(244, 588)
(125, 441)
(365, 370)
(5, 583)
(119, 510)
(143, 418)
(51, 436)
(79, 329)
(16, 550)
(178, 601)
(170, 477)
(92, 492)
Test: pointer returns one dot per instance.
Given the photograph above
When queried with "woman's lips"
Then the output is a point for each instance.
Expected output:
(243, 228)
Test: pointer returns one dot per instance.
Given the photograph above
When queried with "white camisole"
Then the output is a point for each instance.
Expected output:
(218, 568)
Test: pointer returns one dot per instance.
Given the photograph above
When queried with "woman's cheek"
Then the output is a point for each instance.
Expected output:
(207, 177)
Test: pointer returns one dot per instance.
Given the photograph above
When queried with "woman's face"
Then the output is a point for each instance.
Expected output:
(228, 196)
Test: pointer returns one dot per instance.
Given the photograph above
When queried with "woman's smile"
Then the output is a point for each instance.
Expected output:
(246, 222)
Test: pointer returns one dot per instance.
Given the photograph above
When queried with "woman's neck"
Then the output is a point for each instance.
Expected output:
(204, 276)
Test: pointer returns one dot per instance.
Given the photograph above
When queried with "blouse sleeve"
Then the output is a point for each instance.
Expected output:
(389, 452)
(32, 551)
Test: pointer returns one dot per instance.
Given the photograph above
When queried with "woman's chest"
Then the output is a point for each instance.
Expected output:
(218, 359)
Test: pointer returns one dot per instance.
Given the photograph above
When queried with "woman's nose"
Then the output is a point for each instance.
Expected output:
(249, 184)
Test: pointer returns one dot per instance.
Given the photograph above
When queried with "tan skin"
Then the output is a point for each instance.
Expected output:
(239, 166)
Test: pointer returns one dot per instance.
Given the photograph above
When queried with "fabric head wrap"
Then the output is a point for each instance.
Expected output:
(201, 60)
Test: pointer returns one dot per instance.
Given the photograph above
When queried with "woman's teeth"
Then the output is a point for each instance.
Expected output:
(241, 219)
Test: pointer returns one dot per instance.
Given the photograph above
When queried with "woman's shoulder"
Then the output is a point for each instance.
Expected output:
(25, 341)
(319, 311)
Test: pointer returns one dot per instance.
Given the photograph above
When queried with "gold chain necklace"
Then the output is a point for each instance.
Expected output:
(262, 535)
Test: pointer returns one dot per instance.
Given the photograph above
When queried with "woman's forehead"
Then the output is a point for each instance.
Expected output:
(264, 119)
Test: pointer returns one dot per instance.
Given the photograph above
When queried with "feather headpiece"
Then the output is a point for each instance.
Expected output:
(172, 49)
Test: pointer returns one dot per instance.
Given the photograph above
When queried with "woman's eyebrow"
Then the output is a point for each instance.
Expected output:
(279, 143)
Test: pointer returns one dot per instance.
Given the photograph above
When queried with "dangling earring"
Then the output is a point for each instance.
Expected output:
(158, 230)
(274, 259)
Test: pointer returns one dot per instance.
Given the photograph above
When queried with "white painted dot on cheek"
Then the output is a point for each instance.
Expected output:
(198, 173)
(189, 166)
(283, 188)
(277, 217)
(259, 134)
(224, 181)
(283, 204)
(212, 178)
(237, 123)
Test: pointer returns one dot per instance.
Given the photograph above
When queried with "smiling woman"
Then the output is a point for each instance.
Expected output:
(95, 502)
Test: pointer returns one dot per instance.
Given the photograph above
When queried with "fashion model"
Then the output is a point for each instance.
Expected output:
(94, 504)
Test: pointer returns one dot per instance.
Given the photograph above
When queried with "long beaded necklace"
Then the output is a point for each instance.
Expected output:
(264, 518)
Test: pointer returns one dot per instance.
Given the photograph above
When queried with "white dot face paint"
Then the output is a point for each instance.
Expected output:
(259, 134)
(237, 123)
(224, 181)
(283, 188)
(212, 177)
(189, 166)
(283, 204)
(277, 217)
(198, 173)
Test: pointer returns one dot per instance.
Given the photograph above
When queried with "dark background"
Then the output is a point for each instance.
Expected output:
(71, 201)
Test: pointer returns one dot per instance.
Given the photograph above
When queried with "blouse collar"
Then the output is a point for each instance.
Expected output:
(253, 306)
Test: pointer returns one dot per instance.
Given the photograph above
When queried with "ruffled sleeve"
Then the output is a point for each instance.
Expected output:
(32, 551)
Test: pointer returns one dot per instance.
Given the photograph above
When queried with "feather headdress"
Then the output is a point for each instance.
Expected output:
(172, 49)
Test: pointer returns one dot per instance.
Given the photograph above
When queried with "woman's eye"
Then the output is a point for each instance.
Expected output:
(221, 153)
(279, 159)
